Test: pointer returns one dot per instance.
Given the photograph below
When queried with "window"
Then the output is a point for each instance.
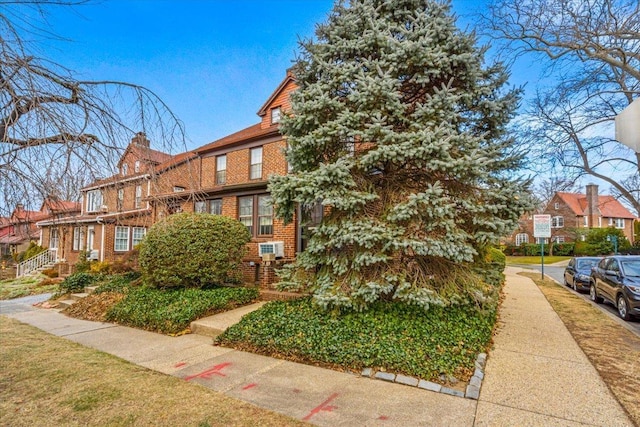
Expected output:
(120, 201)
(200, 207)
(262, 216)
(619, 222)
(221, 169)
(556, 206)
(245, 212)
(265, 216)
(586, 221)
(276, 114)
(255, 171)
(138, 235)
(558, 239)
(53, 238)
(209, 206)
(522, 238)
(136, 166)
(121, 239)
(215, 206)
(557, 222)
(125, 169)
(94, 200)
(138, 196)
(78, 238)
(541, 240)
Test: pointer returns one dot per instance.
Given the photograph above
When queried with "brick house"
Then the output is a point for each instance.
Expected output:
(20, 229)
(226, 177)
(115, 211)
(573, 212)
(233, 182)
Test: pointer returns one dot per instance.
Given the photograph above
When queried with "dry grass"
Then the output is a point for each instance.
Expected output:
(46, 380)
(613, 350)
(25, 286)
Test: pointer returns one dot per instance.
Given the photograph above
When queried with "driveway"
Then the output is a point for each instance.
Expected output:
(557, 274)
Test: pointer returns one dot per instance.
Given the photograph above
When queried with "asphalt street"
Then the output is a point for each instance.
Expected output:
(557, 273)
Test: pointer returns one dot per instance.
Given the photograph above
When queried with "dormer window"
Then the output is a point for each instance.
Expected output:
(136, 166)
(125, 169)
(275, 115)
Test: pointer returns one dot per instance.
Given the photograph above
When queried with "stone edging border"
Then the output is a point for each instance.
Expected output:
(472, 390)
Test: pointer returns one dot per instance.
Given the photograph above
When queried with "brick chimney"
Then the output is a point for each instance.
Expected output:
(592, 211)
(141, 140)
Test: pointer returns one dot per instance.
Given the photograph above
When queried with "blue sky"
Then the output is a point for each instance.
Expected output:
(214, 62)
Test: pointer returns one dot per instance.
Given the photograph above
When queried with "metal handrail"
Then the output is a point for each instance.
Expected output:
(49, 256)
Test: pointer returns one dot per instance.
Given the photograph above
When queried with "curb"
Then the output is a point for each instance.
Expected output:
(472, 390)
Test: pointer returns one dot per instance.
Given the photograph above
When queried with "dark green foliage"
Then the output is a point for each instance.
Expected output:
(399, 130)
(83, 265)
(397, 337)
(31, 251)
(193, 250)
(563, 249)
(114, 283)
(77, 282)
(171, 311)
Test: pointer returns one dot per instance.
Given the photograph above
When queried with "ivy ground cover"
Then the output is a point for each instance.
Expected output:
(391, 337)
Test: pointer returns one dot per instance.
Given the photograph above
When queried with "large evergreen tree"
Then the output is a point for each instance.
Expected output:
(399, 130)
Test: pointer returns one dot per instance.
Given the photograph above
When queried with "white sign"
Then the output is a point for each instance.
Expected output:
(542, 226)
(628, 126)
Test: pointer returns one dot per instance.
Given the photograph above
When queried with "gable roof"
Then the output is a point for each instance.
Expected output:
(609, 206)
(245, 135)
(288, 79)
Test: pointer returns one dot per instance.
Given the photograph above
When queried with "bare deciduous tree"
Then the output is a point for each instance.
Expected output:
(591, 50)
(55, 127)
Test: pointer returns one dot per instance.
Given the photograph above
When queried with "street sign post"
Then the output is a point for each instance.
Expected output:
(542, 229)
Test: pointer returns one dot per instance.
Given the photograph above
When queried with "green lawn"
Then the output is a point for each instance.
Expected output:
(511, 260)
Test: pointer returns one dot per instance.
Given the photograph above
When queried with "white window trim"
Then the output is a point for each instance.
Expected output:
(276, 115)
(255, 168)
(619, 223)
(138, 198)
(115, 239)
(94, 200)
(522, 238)
(555, 221)
(135, 241)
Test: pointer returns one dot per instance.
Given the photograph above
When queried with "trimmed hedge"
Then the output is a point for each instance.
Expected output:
(193, 251)
(171, 311)
(392, 336)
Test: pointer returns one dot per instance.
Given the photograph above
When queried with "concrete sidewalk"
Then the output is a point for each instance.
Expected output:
(535, 375)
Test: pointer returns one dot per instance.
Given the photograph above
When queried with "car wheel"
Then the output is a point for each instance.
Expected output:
(623, 308)
(593, 294)
(566, 283)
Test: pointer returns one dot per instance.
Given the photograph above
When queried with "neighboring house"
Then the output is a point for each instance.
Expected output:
(20, 229)
(226, 177)
(115, 211)
(572, 212)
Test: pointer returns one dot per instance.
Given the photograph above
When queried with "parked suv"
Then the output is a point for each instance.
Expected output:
(617, 280)
(577, 274)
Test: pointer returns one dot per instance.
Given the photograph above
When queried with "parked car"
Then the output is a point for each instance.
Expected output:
(617, 280)
(577, 274)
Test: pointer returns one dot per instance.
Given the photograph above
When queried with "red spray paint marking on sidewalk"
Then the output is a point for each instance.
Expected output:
(179, 364)
(248, 386)
(210, 372)
(324, 406)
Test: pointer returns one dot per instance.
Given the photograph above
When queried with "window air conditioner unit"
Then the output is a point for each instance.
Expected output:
(276, 248)
(104, 208)
(93, 255)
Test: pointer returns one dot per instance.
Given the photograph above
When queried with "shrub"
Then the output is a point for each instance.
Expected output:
(563, 249)
(193, 250)
(51, 273)
(171, 311)
(83, 265)
(77, 282)
(100, 267)
(32, 250)
(115, 283)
